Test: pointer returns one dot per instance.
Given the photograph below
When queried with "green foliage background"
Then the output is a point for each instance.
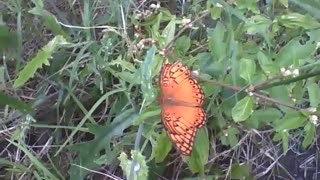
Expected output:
(79, 86)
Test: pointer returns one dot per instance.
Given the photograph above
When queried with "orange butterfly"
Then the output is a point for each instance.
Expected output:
(181, 100)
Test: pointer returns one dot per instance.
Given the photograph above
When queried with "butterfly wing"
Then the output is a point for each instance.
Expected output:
(182, 123)
(181, 101)
(176, 83)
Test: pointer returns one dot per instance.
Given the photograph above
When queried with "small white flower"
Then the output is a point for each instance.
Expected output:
(186, 21)
(287, 73)
(195, 73)
(285, 130)
(295, 72)
(314, 119)
(219, 5)
(153, 6)
(282, 70)
(136, 167)
(294, 99)
(250, 93)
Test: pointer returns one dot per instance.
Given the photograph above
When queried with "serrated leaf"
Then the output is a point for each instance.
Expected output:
(243, 109)
(314, 94)
(309, 135)
(183, 44)
(42, 58)
(163, 147)
(247, 69)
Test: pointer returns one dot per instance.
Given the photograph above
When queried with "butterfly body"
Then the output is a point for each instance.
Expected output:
(181, 105)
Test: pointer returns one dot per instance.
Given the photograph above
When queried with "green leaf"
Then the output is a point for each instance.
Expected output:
(296, 20)
(292, 120)
(240, 171)
(243, 109)
(183, 44)
(14, 103)
(266, 64)
(229, 137)
(309, 135)
(247, 69)
(146, 76)
(257, 24)
(217, 44)
(314, 94)
(294, 51)
(42, 58)
(263, 116)
(7, 39)
(200, 152)
(169, 30)
(140, 168)
(285, 141)
(163, 147)
(250, 5)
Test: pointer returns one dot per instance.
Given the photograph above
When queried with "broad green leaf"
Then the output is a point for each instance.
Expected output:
(217, 44)
(200, 152)
(263, 116)
(146, 76)
(42, 58)
(240, 171)
(266, 64)
(137, 166)
(247, 69)
(309, 135)
(257, 24)
(243, 109)
(183, 44)
(14, 103)
(281, 93)
(314, 94)
(163, 147)
(292, 120)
